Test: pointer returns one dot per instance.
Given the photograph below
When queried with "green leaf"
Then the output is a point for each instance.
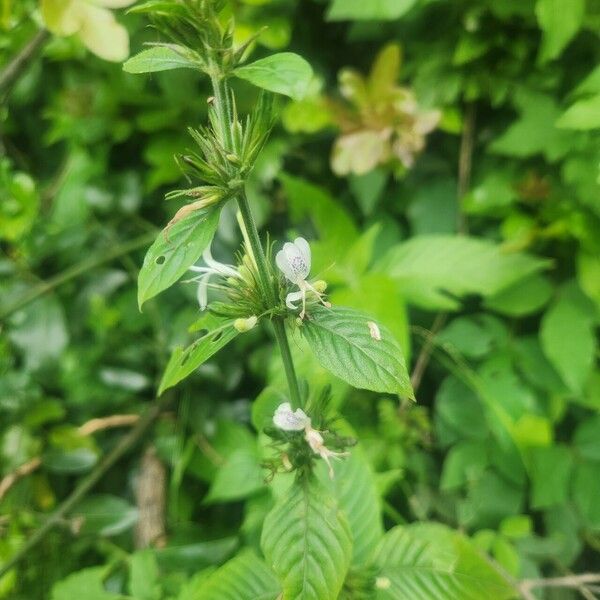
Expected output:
(245, 577)
(344, 342)
(359, 10)
(144, 576)
(218, 333)
(550, 473)
(567, 336)
(105, 515)
(87, 583)
(587, 438)
(586, 491)
(307, 541)
(283, 73)
(559, 21)
(174, 251)
(464, 463)
(355, 488)
(425, 561)
(434, 271)
(523, 298)
(584, 114)
(160, 58)
(239, 477)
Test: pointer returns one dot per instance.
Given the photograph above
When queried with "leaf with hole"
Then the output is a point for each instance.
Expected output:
(175, 249)
(183, 362)
(307, 541)
(357, 349)
(283, 73)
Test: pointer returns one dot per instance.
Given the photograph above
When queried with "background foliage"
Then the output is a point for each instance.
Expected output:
(469, 209)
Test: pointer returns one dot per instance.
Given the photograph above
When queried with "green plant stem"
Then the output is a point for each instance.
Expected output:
(86, 484)
(222, 107)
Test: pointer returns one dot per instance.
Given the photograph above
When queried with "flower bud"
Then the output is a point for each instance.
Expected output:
(243, 325)
(320, 286)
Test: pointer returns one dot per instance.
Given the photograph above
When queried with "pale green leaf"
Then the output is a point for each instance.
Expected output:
(355, 488)
(523, 298)
(307, 541)
(584, 114)
(550, 474)
(361, 10)
(175, 249)
(144, 581)
(560, 21)
(567, 337)
(245, 577)
(355, 348)
(435, 271)
(283, 73)
(239, 477)
(183, 362)
(87, 583)
(105, 515)
(160, 58)
(426, 561)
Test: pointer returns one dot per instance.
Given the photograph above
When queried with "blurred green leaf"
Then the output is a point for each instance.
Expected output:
(559, 21)
(161, 58)
(105, 515)
(283, 73)
(373, 10)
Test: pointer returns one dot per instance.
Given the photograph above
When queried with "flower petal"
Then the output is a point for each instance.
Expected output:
(284, 265)
(304, 248)
(202, 292)
(102, 35)
(293, 297)
(289, 420)
(298, 266)
(112, 3)
(62, 17)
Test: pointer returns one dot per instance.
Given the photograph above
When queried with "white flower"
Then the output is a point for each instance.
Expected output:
(213, 267)
(298, 420)
(289, 420)
(294, 262)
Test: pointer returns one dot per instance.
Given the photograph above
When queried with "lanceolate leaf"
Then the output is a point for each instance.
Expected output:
(245, 577)
(283, 73)
(175, 249)
(421, 562)
(357, 349)
(366, 10)
(185, 361)
(307, 541)
(160, 58)
(434, 271)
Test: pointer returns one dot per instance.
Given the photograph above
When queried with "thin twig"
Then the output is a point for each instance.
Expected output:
(568, 581)
(75, 271)
(465, 160)
(16, 67)
(89, 427)
(87, 483)
(426, 349)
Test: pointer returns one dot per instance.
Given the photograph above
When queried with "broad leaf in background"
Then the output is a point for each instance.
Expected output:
(160, 58)
(559, 21)
(283, 73)
(175, 249)
(240, 476)
(567, 336)
(584, 114)
(105, 515)
(245, 577)
(355, 488)
(144, 577)
(435, 271)
(425, 561)
(87, 583)
(361, 10)
(357, 349)
(216, 334)
(335, 228)
(307, 541)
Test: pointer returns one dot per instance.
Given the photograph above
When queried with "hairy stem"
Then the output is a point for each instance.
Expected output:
(222, 107)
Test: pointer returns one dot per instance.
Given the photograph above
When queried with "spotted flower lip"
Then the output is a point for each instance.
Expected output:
(294, 261)
(213, 267)
(288, 420)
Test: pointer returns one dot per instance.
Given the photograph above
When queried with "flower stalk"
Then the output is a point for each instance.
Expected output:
(221, 95)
